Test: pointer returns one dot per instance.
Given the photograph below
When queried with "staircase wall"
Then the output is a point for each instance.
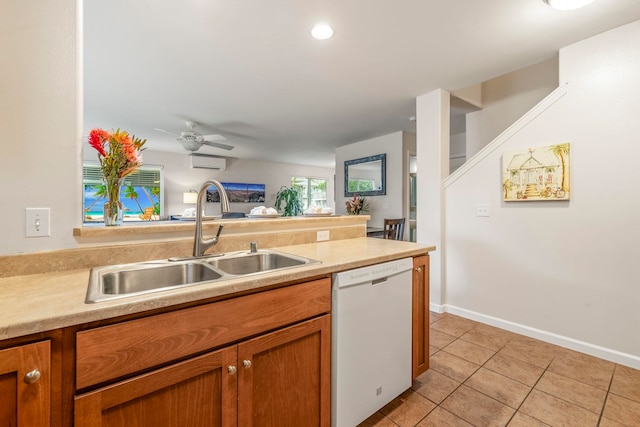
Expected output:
(562, 271)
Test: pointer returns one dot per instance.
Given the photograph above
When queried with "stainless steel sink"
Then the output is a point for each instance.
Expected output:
(126, 280)
(133, 279)
(257, 262)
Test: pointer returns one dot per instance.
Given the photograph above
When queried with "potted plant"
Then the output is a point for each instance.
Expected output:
(291, 198)
(357, 205)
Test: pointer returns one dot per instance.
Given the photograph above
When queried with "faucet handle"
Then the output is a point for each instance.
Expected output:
(254, 247)
(219, 231)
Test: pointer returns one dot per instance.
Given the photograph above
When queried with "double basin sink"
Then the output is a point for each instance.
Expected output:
(126, 280)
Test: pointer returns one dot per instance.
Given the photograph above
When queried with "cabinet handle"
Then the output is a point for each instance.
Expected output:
(32, 377)
(246, 363)
(232, 369)
(419, 269)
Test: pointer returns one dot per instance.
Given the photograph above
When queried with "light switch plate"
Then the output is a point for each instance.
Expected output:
(37, 222)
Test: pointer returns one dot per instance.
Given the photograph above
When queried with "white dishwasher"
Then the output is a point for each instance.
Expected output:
(371, 339)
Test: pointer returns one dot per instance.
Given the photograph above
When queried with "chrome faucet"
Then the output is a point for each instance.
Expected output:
(200, 244)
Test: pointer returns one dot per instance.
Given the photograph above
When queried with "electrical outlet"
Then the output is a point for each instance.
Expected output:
(37, 222)
(321, 236)
(482, 209)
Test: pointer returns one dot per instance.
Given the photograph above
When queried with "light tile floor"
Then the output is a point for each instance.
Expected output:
(484, 376)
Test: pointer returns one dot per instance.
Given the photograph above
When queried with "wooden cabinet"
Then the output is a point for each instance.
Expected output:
(420, 330)
(281, 378)
(266, 362)
(110, 352)
(285, 377)
(198, 392)
(25, 388)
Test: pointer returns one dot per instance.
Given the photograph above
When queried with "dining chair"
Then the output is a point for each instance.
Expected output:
(394, 228)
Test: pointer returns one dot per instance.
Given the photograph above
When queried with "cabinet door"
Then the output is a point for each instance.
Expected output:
(25, 389)
(420, 315)
(198, 392)
(284, 377)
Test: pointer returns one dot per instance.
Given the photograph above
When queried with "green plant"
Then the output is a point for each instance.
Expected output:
(291, 198)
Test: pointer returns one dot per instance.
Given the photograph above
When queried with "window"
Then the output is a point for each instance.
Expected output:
(313, 191)
(360, 185)
(142, 189)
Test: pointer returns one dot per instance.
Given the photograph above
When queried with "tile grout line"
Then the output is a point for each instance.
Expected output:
(479, 366)
(439, 405)
(606, 397)
(583, 383)
(498, 373)
(530, 391)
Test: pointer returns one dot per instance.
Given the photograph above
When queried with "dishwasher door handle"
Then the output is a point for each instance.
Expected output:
(379, 281)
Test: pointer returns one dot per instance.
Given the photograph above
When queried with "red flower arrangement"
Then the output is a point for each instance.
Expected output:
(357, 205)
(119, 156)
(118, 153)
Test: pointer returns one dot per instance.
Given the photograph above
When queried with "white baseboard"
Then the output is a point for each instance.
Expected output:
(570, 343)
(437, 308)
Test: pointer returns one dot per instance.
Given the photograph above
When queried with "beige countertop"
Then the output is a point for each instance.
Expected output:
(42, 302)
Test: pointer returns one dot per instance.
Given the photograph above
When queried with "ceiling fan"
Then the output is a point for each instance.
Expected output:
(192, 140)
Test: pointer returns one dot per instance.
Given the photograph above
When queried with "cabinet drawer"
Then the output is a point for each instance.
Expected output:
(114, 351)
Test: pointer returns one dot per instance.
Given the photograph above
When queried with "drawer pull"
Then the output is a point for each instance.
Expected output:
(246, 363)
(419, 269)
(32, 377)
(232, 369)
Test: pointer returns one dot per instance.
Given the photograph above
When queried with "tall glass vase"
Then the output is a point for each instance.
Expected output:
(113, 206)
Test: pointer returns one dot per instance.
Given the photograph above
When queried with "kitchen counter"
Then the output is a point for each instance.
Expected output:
(42, 302)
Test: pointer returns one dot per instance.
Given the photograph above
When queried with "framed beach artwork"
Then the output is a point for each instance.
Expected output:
(238, 193)
(534, 174)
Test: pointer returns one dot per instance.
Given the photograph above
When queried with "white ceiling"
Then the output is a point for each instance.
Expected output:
(249, 70)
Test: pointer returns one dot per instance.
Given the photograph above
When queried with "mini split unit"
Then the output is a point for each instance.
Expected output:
(203, 161)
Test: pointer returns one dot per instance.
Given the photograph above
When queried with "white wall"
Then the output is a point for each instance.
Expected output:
(458, 148)
(392, 204)
(561, 271)
(506, 98)
(39, 121)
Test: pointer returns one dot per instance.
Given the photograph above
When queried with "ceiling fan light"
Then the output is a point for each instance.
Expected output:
(322, 32)
(190, 144)
(567, 4)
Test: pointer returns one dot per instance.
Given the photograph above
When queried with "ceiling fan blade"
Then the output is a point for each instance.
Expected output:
(164, 131)
(218, 145)
(213, 138)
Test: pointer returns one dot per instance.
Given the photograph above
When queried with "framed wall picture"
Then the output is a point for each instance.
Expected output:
(238, 193)
(540, 173)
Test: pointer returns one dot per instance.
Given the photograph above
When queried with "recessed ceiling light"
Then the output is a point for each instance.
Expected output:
(322, 32)
(567, 4)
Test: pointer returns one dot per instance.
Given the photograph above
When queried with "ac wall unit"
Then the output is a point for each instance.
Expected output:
(203, 161)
